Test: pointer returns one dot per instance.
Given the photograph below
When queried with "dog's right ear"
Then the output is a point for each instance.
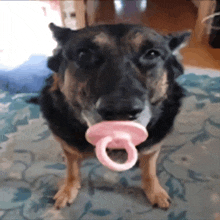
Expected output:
(60, 34)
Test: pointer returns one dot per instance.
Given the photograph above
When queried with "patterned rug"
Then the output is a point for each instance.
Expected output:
(31, 166)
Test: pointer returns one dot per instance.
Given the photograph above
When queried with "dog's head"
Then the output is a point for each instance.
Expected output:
(115, 72)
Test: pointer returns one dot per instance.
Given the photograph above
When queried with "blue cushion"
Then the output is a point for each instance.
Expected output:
(28, 77)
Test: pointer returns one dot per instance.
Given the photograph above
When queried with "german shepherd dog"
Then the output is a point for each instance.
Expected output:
(112, 72)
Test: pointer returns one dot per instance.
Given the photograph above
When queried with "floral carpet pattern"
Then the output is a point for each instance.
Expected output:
(31, 165)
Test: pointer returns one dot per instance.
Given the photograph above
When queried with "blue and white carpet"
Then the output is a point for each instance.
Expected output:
(31, 165)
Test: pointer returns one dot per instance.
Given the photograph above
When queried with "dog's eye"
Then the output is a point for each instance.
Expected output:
(88, 58)
(151, 54)
(84, 55)
(149, 57)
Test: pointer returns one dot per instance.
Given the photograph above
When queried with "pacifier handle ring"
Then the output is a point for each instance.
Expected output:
(101, 154)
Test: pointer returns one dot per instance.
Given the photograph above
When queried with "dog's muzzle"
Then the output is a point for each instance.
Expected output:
(115, 108)
(121, 111)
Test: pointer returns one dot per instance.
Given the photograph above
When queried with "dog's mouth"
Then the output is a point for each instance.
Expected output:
(92, 117)
(117, 155)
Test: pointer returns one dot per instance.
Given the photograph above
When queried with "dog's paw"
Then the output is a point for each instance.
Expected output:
(66, 195)
(157, 196)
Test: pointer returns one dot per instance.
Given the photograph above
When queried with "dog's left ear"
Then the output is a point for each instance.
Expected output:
(178, 40)
(60, 34)
(54, 61)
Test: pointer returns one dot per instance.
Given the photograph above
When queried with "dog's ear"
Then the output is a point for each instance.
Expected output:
(178, 40)
(54, 61)
(60, 34)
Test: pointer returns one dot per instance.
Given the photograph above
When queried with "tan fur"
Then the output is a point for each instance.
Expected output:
(77, 90)
(164, 84)
(68, 192)
(103, 39)
(160, 93)
(137, 41)
(72, 150)
(69, 82)
(67, 148)
(150, 183)
(55, 85)
(153, 149)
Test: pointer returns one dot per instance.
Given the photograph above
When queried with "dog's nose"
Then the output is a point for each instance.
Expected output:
(119, 109)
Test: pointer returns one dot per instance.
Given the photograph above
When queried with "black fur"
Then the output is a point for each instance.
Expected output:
(61, 115)
(61, 119)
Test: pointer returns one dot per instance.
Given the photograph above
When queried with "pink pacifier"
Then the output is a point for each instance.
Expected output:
(116, 135)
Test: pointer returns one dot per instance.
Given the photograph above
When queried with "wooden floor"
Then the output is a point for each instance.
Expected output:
(169, 16)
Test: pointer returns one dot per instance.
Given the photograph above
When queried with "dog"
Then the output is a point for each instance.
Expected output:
(121, 72)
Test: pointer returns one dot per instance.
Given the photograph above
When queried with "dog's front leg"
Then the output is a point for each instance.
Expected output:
(68, 192)
(157, 196)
